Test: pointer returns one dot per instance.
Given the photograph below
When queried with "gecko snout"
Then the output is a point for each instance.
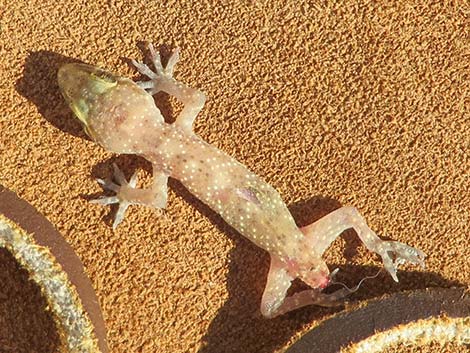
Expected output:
(317, 275)
(81, 85)
(324, 282)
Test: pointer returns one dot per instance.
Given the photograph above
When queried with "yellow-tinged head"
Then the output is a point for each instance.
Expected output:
(81, 85)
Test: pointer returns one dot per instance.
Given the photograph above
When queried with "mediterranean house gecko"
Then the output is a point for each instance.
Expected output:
(121, 116)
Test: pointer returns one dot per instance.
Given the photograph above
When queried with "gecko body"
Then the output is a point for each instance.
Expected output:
(121, 116)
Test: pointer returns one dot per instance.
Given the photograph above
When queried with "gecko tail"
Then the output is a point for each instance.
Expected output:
(357, 286)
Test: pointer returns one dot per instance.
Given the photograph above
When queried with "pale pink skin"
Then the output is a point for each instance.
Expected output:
(121, 116)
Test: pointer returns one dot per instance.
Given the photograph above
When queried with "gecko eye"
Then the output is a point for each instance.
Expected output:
(104, 77)
(316, 267)
(82, 86)
(316, 275)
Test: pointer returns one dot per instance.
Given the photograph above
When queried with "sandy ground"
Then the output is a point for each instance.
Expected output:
(352, 104)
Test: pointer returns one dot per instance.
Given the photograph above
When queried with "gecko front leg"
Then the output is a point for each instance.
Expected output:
(162, 80)
(127, 194)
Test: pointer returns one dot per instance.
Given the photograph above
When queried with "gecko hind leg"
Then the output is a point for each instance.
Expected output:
(127, 194)
(162, 80)
(324, 231)
(275, 301)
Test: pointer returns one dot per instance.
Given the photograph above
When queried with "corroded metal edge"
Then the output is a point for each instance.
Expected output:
(414, 317)
(54, 266)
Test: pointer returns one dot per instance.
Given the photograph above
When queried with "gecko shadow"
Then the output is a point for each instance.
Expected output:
(239, 326)
(39, 85)
(25, 321)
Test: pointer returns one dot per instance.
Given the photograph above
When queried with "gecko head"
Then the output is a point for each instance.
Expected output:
(81, 85)
(312, 271)
(316, 274)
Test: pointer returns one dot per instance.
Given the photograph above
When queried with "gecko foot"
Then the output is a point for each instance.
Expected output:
(394, 253)
(121, 189)
(160, 74)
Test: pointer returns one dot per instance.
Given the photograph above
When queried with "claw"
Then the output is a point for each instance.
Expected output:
(123, 205)
(145, 84)
(119, 175)
(402, 253)
(109, 200)
(170, 66)
(119, 198)
(390, 266)
(108, 185)
(155, 56)
(133, 180)
(144, 69)
(408, 253)
(160, 71)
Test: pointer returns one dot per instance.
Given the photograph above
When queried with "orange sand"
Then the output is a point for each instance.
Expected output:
(356, 103)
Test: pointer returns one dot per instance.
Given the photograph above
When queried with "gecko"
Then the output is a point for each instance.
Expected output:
(121, 116)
